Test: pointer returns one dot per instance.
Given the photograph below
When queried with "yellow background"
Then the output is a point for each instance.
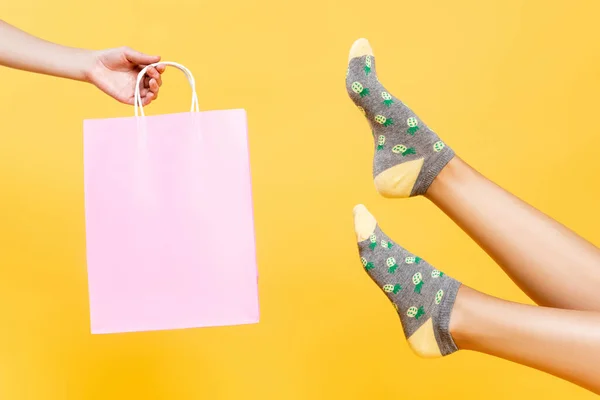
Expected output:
(511, 85)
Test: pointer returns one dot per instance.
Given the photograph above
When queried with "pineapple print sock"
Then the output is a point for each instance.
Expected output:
(423, 296)
(408, 155)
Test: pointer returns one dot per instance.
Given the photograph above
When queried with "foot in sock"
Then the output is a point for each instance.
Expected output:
(422, 295)
(408, 155)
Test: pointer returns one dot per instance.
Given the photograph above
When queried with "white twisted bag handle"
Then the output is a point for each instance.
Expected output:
(137, 104)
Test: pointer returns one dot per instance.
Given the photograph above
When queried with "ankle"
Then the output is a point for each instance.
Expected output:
(460, 320)
(445, 179)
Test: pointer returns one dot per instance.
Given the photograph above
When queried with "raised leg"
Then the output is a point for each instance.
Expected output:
(564, 343)
(440, 316)
(550, 263)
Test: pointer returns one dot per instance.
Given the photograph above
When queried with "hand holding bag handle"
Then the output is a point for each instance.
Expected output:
(139, 110)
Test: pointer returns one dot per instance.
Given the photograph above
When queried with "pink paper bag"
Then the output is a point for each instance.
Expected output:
(169, 220)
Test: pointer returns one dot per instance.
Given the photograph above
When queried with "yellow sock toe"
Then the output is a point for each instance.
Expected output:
(360, 48)
(364, 223)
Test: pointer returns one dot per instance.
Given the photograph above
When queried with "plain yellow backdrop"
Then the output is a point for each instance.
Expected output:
(511, 85)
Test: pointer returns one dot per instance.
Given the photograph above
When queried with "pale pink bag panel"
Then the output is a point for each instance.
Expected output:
(169, 220)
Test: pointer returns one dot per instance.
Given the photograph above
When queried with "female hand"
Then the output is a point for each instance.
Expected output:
(115, 71)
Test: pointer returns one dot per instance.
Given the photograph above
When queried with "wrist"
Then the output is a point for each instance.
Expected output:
(83, 62)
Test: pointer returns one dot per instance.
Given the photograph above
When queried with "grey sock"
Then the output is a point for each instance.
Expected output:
(400, 136)
(423, 296)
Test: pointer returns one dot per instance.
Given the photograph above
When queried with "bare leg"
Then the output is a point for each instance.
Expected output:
(550, 263)
(439, 316)
(563, 343)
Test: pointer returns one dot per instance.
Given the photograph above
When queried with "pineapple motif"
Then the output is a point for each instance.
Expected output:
(366, 264)
(417, 280)
(401, 149)
(387, 98)
(362, 111)
(438, 146)
(386, 245)
(415, 312)
(380, 142)
(359, 89)
(392, 266)
(396, 306)
(412, 260)
(438, 296)
(413, 125)
(381, 120)
(392, 288)
(436, 274)
(368, 65)
(373, 240)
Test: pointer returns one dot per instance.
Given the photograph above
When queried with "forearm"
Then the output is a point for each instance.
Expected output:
(23, 51)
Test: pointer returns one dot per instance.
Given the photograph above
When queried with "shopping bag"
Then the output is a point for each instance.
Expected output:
(169, 220)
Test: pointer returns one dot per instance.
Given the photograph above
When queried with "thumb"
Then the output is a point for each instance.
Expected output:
(135, 57)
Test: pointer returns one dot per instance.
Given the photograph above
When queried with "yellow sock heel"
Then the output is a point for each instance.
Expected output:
(399, 180)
